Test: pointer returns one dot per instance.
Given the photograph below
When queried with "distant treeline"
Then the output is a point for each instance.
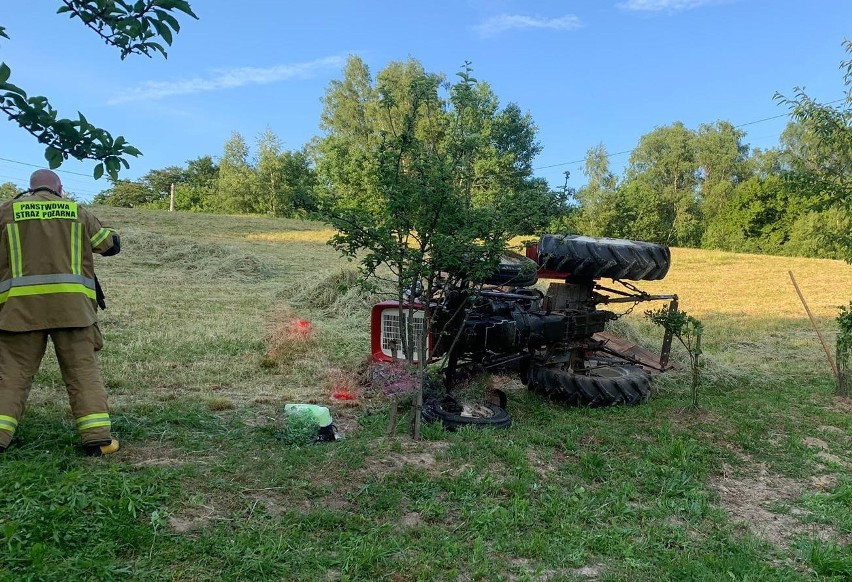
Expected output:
(706, 188)
(702, 188)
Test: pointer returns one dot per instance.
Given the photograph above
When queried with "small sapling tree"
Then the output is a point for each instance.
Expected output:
(688, 331)
(844, 349)
(423, 178)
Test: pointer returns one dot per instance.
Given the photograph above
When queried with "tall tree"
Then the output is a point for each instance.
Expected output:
(270, 194)
(133, 28)
(722, 160)
(665, 159)
(160, 181)
(423, 181)
(237, 184)
(8, 190)
(126, 194)
(300, 183)
(661, 187)
(201, 186)
(823, 164)
(720, 154)
(755, 217)
(598, 215)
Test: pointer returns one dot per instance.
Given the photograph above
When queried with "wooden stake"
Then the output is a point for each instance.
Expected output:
(172, 198)
(816, 329)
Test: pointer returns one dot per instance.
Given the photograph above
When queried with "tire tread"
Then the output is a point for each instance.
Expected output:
(602, 257)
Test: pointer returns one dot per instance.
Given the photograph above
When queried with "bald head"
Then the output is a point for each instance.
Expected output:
(45, 179)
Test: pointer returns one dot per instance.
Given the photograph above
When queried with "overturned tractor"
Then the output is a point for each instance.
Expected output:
(556, 340)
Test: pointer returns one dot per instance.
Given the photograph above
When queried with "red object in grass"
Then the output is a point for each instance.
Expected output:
(302, 326)
(343, 395)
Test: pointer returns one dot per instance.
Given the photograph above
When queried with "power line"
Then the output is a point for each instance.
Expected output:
(21, 183)
(628, 151)
(538, 168)
(41, 166)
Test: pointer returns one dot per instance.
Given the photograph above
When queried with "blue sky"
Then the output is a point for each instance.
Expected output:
(589, 72)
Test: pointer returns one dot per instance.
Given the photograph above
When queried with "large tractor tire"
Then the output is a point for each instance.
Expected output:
(605, 386)
(583, 256)
(515, 270)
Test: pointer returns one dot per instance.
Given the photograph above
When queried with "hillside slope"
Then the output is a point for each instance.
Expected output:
(213, 483)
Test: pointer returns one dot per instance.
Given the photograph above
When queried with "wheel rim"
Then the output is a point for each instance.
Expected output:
(474, 411)
(610, 372)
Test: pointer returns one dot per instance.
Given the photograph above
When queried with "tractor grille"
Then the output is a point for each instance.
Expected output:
(392, 340)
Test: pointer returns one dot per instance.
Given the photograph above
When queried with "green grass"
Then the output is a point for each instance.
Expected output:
(213, 483)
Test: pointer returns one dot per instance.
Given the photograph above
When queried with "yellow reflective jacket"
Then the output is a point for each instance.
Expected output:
(47, 271)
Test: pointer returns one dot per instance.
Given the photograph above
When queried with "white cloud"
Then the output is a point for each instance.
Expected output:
(664, 5)
(226, 79)
(498, 24)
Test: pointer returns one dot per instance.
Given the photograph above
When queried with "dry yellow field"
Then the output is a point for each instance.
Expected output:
(753, 318)
(756, 286)
(754, 321)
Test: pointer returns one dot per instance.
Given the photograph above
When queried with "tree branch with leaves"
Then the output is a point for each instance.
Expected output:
(688, 331)
(825, 168)
(133, 28)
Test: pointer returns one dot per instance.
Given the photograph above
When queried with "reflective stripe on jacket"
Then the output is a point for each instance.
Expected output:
(47, 276)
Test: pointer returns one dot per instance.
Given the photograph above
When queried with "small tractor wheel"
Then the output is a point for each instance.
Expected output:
(605, 386)
(584, 256)
(453, 416)
(515, 270)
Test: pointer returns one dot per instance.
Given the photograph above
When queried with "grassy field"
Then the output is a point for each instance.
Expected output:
(213, 484)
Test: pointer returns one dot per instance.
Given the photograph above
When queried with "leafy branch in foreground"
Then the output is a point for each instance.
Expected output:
(130, 27)
(688, 331)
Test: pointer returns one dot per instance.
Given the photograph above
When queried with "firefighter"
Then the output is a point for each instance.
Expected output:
(47, 289)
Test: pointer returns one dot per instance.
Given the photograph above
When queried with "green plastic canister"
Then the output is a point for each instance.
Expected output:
(319, 413)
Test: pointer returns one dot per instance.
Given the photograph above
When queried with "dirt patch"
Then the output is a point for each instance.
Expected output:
(589, 572)
(260, 416)
(692, 417)
(154, 453)
(411, 520)
(842, 404)
(412, 454)
(749, 499)
(815, 443)
(827, 457)
(546, 465)
(590, 440)
(183, 525)
(831, 429)
(193, 519)
(345, 425)
(277, 502)
(825, 482)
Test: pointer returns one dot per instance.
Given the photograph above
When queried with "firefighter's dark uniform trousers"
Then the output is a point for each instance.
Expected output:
(47, 290)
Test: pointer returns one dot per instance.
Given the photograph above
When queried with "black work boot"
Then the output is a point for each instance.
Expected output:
(101, 448)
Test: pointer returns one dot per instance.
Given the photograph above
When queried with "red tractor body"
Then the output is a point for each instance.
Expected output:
(556, 339)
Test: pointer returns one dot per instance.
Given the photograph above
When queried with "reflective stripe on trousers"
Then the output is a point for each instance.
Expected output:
(91, 421)
(8, 423)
